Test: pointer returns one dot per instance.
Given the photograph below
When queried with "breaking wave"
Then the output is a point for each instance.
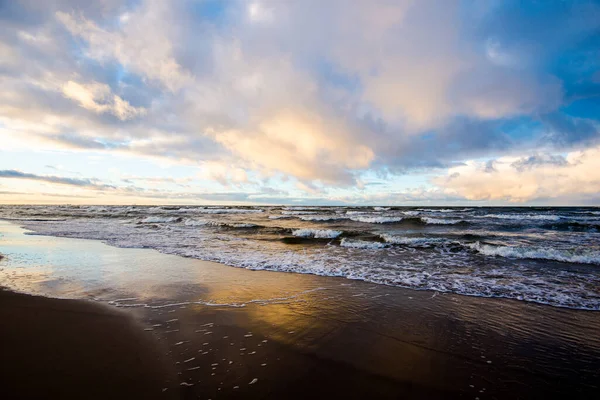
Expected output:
(541, 253)
(441, 221)
(319, 218)
(317, 233)
(533, 217)
(361, 244)
(376, 219)
(160, 220)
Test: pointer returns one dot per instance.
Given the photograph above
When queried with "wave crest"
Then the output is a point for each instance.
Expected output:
(540, 253)
(361, 244)
(317, 233)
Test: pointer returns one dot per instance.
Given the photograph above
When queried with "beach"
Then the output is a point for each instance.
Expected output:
(73, 349)
(227, 332)
(299, 199)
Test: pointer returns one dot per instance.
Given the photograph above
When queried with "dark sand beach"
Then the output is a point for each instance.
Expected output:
(69, 349)
(235, 333)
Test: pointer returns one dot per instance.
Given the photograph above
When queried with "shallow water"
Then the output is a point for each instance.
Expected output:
(543, 255)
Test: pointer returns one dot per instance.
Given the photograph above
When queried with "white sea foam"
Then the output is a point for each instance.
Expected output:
(537, 217)
(280, 217)
(317, 233)
(232, 224)
(440, 221)
(97, 208)
(206, 210)
(375, 219)
(381, 208)
(412, 241)
(294, 212)
(411, 213)
(195, 222)
(318, 217)
(361, 244)
(159, 220)
(542, 253)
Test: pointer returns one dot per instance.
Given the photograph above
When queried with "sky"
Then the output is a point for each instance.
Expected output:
(333, 102)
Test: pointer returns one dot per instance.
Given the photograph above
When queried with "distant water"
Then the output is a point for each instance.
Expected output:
(543, 255)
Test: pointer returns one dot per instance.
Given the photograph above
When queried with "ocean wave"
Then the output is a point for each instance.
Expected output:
(361, 244)
(206, 210)
(300, 212)
(317, 233)
(194, 222)
(440, 210)
(96, 208)
(540, 253)
(413, 241)
(534, 217)
(236, 225)
(573, 226)
(587, 212)
(160, 220)
(376, 219)
(381, 208)
(445, 210)
(411, 213)
(280, 216)
(319, 218)
(440, 221)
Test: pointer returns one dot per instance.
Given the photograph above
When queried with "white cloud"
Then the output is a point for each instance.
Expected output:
(303, 145)
(259, 12)
(98, 97)
(526, 178)
(225, 174)
(143, 44)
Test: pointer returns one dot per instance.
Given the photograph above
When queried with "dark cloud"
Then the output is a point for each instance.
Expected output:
(88, 183)
(461, 139)
(539, 160)
(565, 131)
(82, 142)
(489, 166)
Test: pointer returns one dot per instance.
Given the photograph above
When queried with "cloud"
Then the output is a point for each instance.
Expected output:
(538, 160)
(541, 176)
(82, 142)
(223, 173)
(97, 188)
(315, 93)
(243, 103)
(97, 97)
(304, 146)
(142, 44)
(87, 183)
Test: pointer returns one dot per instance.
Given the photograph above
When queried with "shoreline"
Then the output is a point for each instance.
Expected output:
(426, 289)
(236, 333)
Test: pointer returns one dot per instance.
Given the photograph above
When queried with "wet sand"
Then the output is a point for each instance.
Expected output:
(235, 333)
(67, 349)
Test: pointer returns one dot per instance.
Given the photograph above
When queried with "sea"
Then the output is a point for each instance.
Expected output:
(548, 255)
